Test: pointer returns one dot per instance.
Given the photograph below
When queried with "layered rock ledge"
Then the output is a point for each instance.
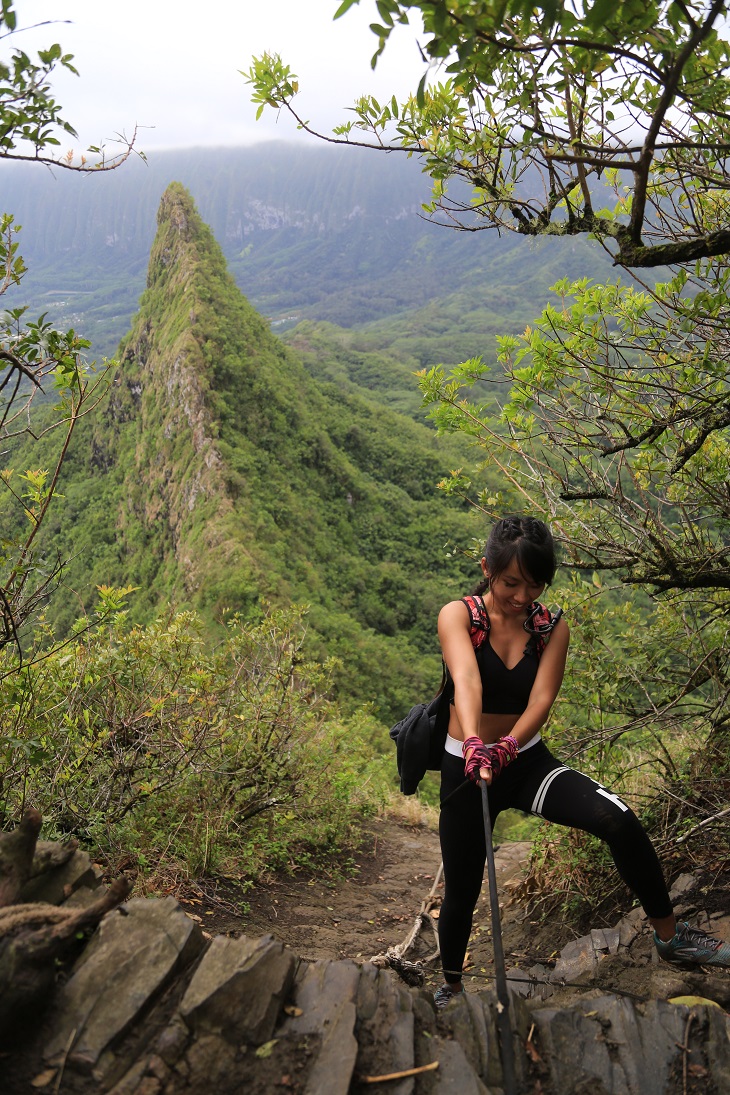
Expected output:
(152, 1006)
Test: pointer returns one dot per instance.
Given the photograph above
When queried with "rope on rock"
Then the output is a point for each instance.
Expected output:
(394, 958)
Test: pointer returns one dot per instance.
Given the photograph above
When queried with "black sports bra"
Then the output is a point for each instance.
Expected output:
(504, 691)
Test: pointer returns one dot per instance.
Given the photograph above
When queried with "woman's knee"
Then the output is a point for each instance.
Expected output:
(463, 889)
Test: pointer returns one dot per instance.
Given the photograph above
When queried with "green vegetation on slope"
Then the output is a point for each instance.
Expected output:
(220, 472)
(185, 758)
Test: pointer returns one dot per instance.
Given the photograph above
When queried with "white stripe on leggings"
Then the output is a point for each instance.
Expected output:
(544, 788)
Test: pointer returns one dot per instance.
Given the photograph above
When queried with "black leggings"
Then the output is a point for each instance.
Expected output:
(539, 784)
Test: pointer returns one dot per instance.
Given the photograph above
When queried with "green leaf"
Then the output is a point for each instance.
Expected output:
(600, 13)
(384, 12)
(421, 91)
(344, 7)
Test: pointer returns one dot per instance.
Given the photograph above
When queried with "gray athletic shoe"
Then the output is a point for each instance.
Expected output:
(691, 946)
(445, 995)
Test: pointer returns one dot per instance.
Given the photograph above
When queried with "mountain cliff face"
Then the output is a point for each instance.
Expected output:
(176, 503)
(220, 471)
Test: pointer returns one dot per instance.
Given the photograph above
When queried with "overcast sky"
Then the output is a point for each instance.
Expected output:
(171, 66)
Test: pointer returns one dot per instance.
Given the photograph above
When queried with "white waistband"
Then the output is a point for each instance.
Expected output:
(453, 745)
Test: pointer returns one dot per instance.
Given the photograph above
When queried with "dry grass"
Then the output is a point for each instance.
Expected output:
(410, 810)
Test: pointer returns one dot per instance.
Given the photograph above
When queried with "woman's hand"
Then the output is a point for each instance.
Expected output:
(477, 763)
(486, 763)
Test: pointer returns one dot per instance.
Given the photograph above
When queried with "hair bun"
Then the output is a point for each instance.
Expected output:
(510, 528)
(526, 539)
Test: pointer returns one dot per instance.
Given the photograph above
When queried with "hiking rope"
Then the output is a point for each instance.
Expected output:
(456, 790)
(413, 973)
(530, 979)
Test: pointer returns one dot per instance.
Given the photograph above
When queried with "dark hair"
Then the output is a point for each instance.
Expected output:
(525, 539)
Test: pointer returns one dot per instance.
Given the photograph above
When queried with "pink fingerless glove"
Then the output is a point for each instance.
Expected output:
(479, 758)
(502, 753)
(495, 758)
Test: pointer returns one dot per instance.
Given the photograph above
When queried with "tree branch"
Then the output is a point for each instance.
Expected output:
(671, 83)
(690, 249)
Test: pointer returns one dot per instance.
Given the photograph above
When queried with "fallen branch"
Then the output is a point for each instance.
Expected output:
(701, 825)
(424, 913)
(399, 1075)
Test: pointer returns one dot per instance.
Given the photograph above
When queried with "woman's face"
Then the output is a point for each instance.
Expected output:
(511, 590)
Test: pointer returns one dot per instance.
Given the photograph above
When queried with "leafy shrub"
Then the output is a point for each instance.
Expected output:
(152, 744)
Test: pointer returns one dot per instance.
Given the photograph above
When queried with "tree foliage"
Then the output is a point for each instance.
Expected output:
(31, 119)
(616, 415)
(38, 362)
(608, 117)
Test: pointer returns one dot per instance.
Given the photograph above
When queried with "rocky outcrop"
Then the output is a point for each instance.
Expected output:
(152, 1006)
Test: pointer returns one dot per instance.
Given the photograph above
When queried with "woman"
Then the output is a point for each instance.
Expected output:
(505, 683)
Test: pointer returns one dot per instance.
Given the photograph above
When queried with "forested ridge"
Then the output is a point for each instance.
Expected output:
(219, 473)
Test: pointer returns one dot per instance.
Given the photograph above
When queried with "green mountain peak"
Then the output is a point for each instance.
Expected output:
(177, 495)
(220, 471)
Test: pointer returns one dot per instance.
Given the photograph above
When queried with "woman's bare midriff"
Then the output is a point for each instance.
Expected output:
(491, 727)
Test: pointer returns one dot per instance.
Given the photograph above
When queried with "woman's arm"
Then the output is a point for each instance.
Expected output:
(547, 685)
(458, 653)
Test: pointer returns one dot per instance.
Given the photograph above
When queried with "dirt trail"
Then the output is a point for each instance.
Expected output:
(359, 917)
(362, 916)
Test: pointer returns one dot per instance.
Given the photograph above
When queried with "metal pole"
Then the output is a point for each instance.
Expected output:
(504, 1028)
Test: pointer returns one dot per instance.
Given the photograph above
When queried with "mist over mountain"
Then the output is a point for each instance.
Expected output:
(309, 233)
